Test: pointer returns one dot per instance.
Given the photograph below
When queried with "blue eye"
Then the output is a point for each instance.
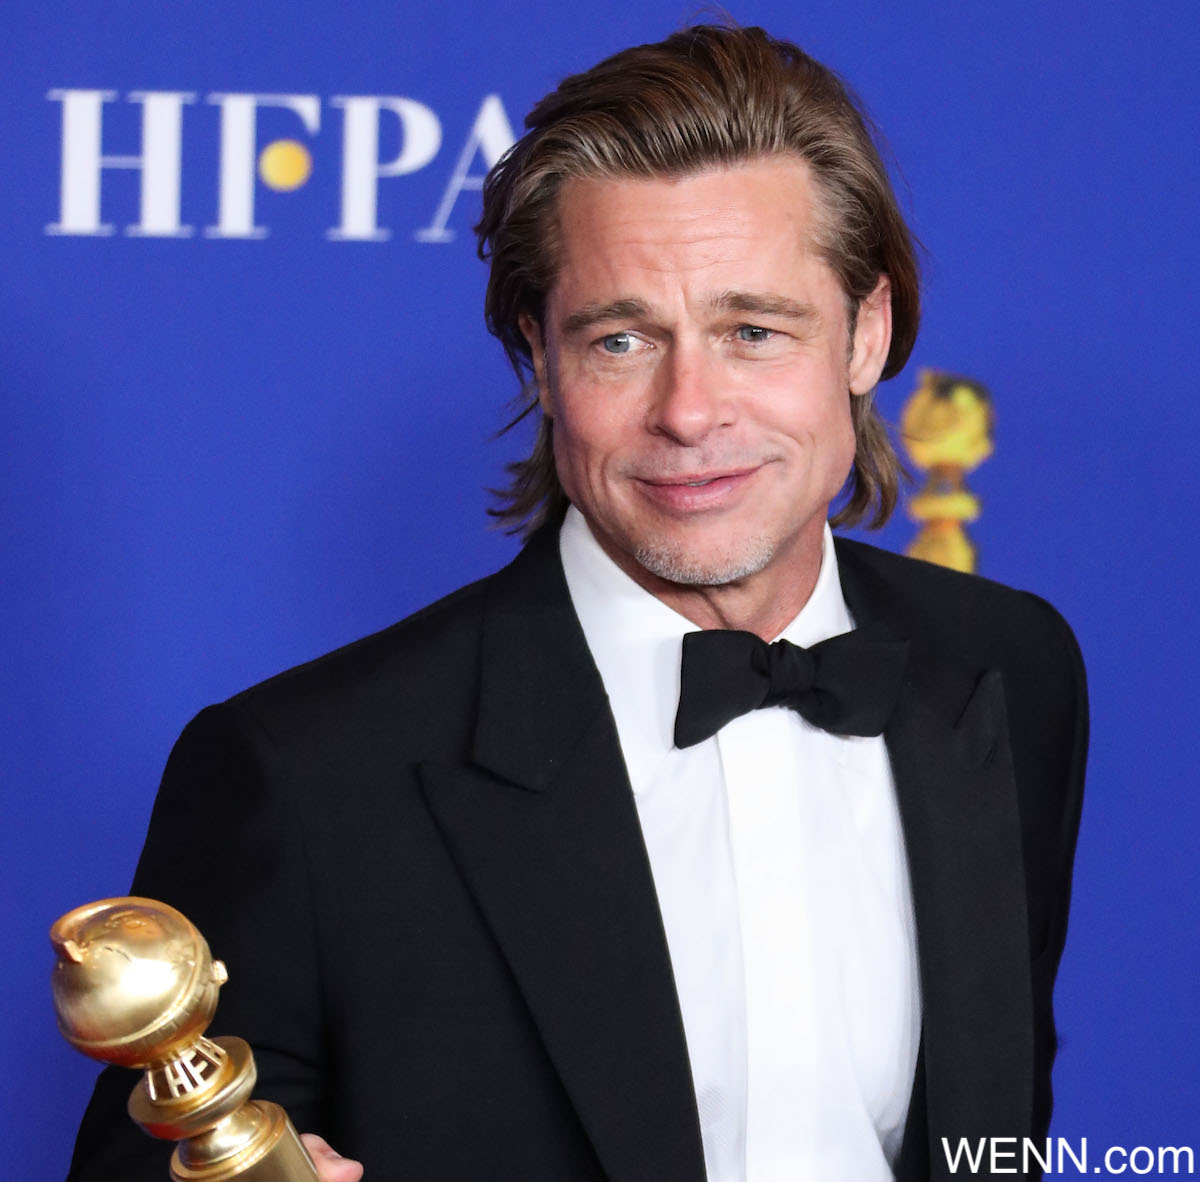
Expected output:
(617, 342)
(752, 334)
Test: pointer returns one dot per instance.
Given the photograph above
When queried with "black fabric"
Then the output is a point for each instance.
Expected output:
(846, 685)
(421, 860)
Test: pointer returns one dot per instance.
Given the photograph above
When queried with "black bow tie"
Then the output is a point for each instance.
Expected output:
(846, 685)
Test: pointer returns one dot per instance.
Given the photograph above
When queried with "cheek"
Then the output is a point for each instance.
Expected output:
(820, 427)
(845, 430)
(580, 449)
(821, 443)
(589, 431)
(838, 447)
(563, 463)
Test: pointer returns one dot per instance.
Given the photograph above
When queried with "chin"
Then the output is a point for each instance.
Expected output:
(676, 562)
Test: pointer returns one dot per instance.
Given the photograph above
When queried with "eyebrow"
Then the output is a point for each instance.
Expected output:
(592, 314)
(763, 303)
(753, 302)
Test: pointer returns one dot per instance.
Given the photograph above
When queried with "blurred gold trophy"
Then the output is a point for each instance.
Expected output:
(946, 428)
(135, 985)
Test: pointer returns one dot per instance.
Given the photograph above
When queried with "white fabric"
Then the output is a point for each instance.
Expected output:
(780, 870)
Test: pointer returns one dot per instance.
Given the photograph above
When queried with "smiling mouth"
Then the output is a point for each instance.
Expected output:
(698, 492)
(698, 481)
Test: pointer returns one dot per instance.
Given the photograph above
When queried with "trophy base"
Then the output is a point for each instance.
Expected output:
(256, 1144)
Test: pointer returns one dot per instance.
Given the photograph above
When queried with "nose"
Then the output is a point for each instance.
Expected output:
(691, 396)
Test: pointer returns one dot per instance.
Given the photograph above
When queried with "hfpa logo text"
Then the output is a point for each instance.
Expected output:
(284, 164)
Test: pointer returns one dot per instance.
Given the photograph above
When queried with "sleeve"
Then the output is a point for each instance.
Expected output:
(226, 847)
(1068, 741)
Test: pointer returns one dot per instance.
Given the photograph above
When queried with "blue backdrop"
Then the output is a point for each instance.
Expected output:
(247, 422)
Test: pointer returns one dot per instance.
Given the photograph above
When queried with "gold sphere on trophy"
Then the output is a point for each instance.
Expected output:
(946, 428)
(135, 985)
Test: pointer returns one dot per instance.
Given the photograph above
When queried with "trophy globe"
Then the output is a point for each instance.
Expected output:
(135, 985)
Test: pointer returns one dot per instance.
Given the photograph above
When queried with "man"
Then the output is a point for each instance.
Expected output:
(526, 886)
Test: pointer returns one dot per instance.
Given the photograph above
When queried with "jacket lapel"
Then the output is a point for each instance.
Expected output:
(949, 749)
(545, 832)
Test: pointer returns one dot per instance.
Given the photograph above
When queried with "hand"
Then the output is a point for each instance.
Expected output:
(331, 1166)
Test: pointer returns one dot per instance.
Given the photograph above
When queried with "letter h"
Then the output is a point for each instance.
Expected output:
(83, 162)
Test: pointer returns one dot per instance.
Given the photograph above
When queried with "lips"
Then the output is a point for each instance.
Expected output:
(697, 491)
(696, 479)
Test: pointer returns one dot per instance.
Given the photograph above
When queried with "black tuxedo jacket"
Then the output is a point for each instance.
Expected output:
(420, 858)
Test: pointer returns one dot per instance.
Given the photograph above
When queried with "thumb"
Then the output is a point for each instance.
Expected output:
(331, 1166)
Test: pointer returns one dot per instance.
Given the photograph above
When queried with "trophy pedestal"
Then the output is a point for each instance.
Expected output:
(259, 1145)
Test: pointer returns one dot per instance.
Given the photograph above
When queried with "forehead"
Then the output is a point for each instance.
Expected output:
(751, 223)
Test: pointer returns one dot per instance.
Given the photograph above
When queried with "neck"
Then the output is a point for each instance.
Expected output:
(738, 607)
(764, 602)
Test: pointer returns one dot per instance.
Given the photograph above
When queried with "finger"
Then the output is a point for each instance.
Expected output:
(331, 1166)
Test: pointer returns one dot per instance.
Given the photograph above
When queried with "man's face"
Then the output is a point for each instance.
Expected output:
(695, 359)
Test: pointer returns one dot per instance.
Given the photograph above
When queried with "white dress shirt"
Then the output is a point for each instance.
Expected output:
(780, 870)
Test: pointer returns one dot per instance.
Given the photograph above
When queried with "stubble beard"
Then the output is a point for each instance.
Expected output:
(674, 564)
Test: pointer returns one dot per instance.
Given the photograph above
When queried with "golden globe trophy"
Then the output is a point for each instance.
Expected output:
(946, 428)
(134, 984)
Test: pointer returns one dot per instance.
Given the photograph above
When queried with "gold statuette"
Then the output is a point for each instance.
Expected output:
(946, 428)
(135, 985)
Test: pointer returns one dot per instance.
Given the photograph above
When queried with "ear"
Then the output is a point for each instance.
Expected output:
(531, 330)
(872, 338)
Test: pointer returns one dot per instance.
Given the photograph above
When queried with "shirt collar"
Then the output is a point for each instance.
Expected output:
(637, 641)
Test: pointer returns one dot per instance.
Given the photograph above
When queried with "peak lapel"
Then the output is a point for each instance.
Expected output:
(545, 832)
(951, 761)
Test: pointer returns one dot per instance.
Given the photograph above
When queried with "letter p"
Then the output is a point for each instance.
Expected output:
(421, 136)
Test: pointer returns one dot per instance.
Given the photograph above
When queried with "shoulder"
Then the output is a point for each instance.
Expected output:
(415, 679)
(409, 691)
(975, 620)
(962, 628)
